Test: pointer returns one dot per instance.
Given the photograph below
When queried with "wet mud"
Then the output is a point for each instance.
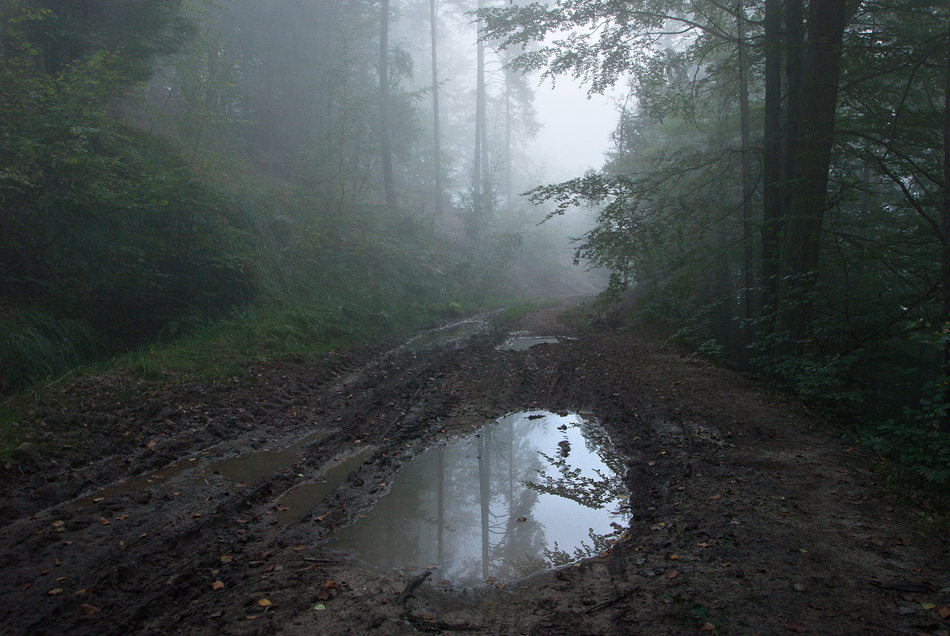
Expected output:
(221, 507)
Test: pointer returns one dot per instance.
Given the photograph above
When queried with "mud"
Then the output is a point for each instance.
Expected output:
(745, 518)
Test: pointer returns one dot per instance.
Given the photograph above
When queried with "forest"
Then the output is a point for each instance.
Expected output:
(262, 179)
(302, 331)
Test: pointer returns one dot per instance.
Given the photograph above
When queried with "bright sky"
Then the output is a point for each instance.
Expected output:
(576, 130)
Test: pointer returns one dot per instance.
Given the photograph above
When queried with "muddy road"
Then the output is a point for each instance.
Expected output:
(164, 513)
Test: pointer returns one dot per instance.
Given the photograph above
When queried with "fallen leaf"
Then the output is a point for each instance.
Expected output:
(55, 591)
(57, 523)
(264, 603)
(88, 609)
(792, 626)
(84, 590)
(927, 605)
(943, 612)
(319, 607)
(217, 585)
(715, 497)
(671, 573)
(103, 521)
(428, 617)
(330, 584)
(707, 627)
(226, 558)
(299, 547)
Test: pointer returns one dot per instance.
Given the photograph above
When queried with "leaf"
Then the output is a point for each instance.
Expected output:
(943, 612)
(55, 591)
(792, 626)
(264, 603)
(319, 607)
(227, 558)
(671, 573)
(927, 605)
(88, 609)
(217, 585)
(707, 627)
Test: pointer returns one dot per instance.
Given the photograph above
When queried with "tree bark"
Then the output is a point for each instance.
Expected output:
(437, 151)
(385, 142)
(747, 186)
(945, 216)
(772, 214)
(826, 20)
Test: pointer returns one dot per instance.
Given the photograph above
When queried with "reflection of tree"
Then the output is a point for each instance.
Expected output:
(464, 507)
(590, 491)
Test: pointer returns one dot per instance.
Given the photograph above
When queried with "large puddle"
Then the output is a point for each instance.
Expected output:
(533, 491)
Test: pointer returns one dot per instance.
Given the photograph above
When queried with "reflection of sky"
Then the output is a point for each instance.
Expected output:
(569, 497)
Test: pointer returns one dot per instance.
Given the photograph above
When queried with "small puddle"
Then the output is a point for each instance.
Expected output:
(135, 484)
(300, 500)
(521, 343)
(251, 468)
(532, 491)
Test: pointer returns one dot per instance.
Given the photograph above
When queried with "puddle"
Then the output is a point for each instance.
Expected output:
(521, 343)
(300, 500)
(135, 484)
(248, 469)
(532, 491)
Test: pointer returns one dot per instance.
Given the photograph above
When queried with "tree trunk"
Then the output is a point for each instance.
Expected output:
(794, 72)
(385, 142)
(945, 216)
(747, 186)
(826, 20)
(437, 151)
(772, 214)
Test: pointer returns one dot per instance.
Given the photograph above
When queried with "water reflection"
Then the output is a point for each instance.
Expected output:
(503, 503)
(522, 343)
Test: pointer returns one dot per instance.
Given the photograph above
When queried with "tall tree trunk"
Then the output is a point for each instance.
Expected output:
(945, 216)
(385, 142)
(508, 193)
(794, 75)
(747, 185)
(826, 20)
(772, 214)
(437, 151)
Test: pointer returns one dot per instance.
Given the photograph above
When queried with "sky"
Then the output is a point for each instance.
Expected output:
(575, 131)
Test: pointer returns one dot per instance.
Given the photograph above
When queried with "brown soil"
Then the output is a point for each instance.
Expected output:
(746, 518)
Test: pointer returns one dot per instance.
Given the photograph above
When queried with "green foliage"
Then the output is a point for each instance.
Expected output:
(34, 344)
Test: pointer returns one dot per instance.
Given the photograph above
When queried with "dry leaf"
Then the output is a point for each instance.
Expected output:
(226, 558)
(714, 497)
(103, 521)
(84, 590)
(299, 547)
(792, 626)
(88, 609)
(428, 617)
(671, 574)
(55, 591)
(943, 612)
(217, 585)
(707, 627)
(264, 603)
(330, 584)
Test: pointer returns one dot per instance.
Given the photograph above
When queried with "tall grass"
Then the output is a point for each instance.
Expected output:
(36, 345)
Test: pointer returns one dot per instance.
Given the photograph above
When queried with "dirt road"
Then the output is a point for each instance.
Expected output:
(745, 519)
